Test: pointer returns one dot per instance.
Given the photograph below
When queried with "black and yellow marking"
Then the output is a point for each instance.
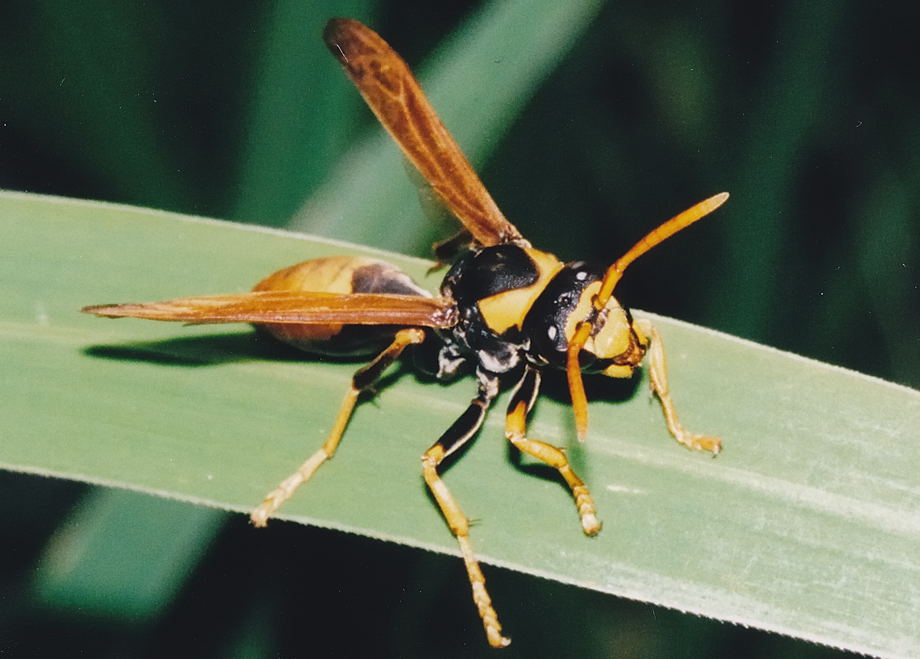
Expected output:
(508, 308)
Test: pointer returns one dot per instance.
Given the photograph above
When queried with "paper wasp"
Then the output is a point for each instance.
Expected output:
(505, 310)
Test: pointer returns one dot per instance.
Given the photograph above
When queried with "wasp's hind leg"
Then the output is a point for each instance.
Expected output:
(658, 375)
(516, 429)
(362, 379)
(458, 434)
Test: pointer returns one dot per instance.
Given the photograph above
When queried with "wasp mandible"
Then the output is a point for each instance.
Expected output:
(504, 310)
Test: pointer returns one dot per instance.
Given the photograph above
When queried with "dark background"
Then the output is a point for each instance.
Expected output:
(805, 112)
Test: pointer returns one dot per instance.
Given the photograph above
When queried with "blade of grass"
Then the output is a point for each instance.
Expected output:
(769, 165)
(807, 524)
(102, 562)
(299, 113)
(102, 60)
(884, 266)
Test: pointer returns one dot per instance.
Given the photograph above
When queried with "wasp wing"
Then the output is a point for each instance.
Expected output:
(394, 95)
(293, 307)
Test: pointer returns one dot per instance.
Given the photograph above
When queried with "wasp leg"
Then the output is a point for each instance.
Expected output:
(658, 375)
(361, 380)
(446, 250)
(457, 435)
(516, 429)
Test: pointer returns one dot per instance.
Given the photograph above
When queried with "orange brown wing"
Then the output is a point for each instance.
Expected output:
(293, 307)
(394, 95)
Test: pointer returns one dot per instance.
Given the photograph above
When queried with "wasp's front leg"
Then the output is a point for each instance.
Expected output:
(522, 401)
(658, 375)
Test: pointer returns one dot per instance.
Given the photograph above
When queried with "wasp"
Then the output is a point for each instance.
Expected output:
(505, 310)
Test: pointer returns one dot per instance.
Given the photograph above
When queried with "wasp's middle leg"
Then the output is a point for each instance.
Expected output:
(456, 436)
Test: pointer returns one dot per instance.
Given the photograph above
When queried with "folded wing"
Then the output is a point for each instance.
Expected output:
(293, 307)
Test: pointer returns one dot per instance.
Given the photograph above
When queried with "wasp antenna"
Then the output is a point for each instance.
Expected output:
(573, 375)
(653, 238)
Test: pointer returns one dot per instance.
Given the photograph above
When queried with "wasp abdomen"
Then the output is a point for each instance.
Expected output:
(339, 274)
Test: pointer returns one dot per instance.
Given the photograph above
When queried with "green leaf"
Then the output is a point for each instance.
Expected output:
(102, 562)
(300, 113)
(93, 68)
(807, 524)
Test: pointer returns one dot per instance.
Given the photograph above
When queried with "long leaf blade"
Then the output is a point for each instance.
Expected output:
(807, 524)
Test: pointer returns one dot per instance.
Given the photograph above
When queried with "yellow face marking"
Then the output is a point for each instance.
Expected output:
(614, 338)
(508, 309)
(618, 371)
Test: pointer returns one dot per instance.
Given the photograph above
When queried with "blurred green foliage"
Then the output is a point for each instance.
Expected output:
(805, 112)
